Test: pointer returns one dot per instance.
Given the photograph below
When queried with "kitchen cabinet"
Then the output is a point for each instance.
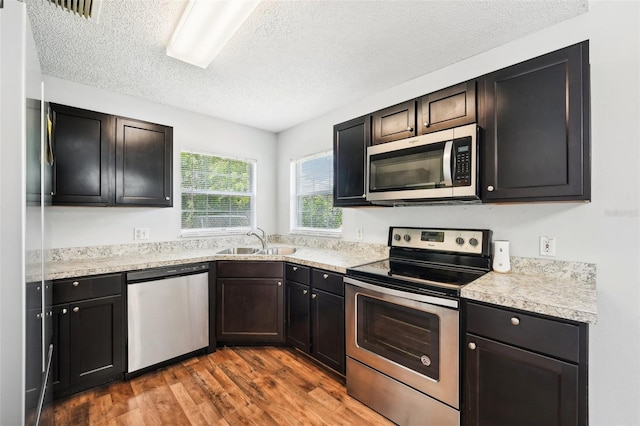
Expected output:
(350, 142)
(104, 160)
(523, 369)
(88, 333)
(394, 123)
(249, 302)
(447, 108)
(315, 314)
(535, 117)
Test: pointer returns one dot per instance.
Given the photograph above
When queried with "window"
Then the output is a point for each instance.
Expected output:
(218, 194)
(312, 208)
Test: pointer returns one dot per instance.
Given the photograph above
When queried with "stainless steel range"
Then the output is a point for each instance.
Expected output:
(402, 323)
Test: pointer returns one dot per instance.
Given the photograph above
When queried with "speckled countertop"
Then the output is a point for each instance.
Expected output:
(560, 289)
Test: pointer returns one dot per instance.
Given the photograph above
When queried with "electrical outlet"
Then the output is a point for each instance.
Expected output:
(359, 234)
(140, 233)
(547, 246)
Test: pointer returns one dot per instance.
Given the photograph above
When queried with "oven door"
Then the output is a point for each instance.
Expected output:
(409, 337)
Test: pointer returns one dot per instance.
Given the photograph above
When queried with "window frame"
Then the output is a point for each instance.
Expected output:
(294, 227)
(196, 232)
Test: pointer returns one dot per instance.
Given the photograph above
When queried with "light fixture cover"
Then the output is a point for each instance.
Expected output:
(205, 27)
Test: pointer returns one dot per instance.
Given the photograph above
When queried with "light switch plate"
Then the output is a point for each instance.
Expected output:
(140, 233)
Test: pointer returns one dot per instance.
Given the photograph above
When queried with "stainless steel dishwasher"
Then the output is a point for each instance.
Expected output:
(168, 313)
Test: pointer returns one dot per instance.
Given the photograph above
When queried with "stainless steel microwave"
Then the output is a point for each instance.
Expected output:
(439, 166)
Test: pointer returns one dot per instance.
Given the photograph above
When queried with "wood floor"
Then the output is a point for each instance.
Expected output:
(233, 386)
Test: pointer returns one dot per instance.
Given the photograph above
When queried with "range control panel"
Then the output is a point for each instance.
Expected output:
(470, 241)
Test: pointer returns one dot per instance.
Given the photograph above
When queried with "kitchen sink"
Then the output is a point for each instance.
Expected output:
(240, 250)
(278, 250)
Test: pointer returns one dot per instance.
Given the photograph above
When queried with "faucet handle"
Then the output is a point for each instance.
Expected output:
(263, 233)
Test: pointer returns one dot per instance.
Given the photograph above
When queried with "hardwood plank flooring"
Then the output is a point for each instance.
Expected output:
(232, 386)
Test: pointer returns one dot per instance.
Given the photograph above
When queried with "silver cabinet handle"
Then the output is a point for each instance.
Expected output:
(409, 129)
(64, 311)
(426, 124)
(305, 291)
(50, 313)
(313, 296)
(490, 188)
(295, 268)
(38, 315)
(167, 198)
(76, 283)
(279, 283)
(472, 346)
(515, 321)
(325, 276)
(38, 288)
(76, 309)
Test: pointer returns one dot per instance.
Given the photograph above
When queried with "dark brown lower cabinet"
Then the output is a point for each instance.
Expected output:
(298, 316)
(522, 369)
(327, 322)
(249, 302)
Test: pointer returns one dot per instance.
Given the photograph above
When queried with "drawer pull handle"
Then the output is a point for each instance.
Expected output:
(515, 321)
(313, 296)
(38, 316)
(64, 311)
(305, 291)
(295, 268)
(76, 283)
(76, 309)
(279, 283)
(325, 276)
(472, 346)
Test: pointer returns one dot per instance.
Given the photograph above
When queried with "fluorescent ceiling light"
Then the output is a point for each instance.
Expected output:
(205, 27)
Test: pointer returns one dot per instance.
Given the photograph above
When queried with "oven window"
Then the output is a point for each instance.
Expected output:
(406, 336)
(413, 168)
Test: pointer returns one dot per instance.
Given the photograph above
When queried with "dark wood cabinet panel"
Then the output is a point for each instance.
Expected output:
(447, 108)
(33, 357)
(297, 273)
(523, 369)
(82, 151)
(537, 130)
(394, 123)
(104, 160)
(298, 316)
(248, 269)
(350, 142)
(143, 163)
(328, 329)
(330, 282)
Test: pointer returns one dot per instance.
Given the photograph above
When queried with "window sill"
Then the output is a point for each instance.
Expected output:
(184, 233)
(317, 233)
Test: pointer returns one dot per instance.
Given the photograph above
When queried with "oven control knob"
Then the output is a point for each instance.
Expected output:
(460, 240)
(407, 237)
(473, 242)
(397, 237)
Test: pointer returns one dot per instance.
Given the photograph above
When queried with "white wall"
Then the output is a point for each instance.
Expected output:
(605, 231)
(92, 226)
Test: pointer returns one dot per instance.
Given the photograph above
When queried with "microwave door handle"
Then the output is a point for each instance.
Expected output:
(447, 166)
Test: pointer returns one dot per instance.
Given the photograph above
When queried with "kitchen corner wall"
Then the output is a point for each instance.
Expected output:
(93, 226)
(605, 232)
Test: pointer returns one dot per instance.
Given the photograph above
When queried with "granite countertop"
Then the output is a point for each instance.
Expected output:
(331, 260)
(559, 289)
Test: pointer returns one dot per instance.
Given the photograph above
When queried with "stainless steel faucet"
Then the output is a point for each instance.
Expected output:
(263, 240)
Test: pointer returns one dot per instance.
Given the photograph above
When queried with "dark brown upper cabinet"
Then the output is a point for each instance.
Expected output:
(143, 157)
(394, 123)
(82, 152)
(350, 142)
(536, 121)
(447, 108)
(104, 160)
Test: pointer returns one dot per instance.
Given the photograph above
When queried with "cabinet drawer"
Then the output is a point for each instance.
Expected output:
(248, 269)
(86, 288)
(555, 338)
(327, 281)
(297, 273)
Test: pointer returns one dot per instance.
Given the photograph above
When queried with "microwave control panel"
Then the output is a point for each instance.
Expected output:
(462, 161)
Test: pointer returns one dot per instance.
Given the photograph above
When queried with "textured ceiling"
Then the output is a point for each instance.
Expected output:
(291, 61)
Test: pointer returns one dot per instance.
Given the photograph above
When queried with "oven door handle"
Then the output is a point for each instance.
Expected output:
(446, 164)
(439, 301)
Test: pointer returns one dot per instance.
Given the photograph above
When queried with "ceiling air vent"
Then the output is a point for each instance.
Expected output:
(89, 9)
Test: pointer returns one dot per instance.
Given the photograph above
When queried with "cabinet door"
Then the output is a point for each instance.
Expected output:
(447, 108)
(327, 323)
(350, 142)
(536, 121)
(33, 356)
(298, 316)
(96, 339)
(508, 386)
(394, 123)
(83, 153)
(250, 310)
(143, 165)
(60, 360)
